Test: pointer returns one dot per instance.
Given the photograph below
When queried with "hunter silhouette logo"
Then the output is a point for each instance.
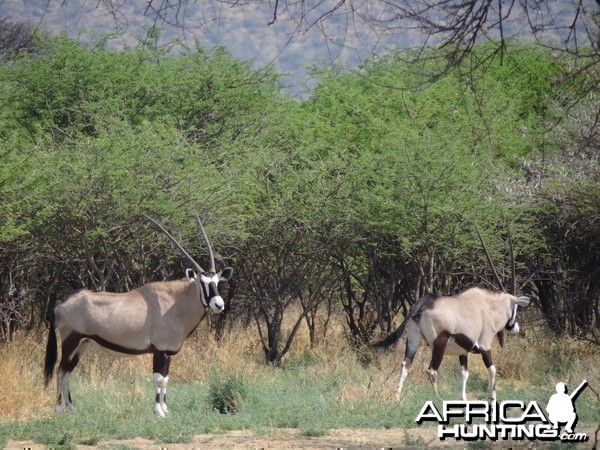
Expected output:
(561, 407)
(509, 419)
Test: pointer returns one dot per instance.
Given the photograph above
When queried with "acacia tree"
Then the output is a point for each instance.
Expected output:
(408, 175)
(285, 285)
(566, 215)
(94, 138)
(279, 258)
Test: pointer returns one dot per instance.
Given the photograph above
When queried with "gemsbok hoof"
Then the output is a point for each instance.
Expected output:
(58, 409)
(159, 412)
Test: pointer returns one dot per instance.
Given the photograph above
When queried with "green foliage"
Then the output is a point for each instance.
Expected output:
(378, 178)
(409, 171)
(314, 432)
(93, 138)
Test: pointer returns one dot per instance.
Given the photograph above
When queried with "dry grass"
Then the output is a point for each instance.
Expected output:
(21, 378)
(535, 359)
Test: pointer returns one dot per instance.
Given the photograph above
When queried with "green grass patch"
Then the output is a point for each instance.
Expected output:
(307, 394)
(297, 397)
(314, 432)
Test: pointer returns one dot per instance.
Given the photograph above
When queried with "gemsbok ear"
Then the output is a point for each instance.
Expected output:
(522, 301)
(190, 274)
(226, 274)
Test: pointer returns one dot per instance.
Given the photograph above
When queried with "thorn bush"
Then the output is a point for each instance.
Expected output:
(226, 393)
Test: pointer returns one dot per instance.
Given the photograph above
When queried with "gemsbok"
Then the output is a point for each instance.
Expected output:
(457, 325)
(154, 318)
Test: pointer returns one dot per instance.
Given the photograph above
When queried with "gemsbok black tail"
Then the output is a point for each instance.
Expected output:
(393, 337)
(51, 351)
(415, 311)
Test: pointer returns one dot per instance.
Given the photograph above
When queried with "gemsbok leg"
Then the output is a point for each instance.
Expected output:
(413, 341)
(160, 376)
(487, 360)
(437, 355)
(73, 346)
(464, 375)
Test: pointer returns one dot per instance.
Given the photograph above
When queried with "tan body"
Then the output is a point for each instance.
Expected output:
(158, 315)
(476, 313)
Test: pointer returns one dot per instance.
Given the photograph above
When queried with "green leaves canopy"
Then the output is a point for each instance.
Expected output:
(374, 174)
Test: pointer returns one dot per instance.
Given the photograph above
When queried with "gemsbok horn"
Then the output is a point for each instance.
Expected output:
(154, 318)
(459, 325)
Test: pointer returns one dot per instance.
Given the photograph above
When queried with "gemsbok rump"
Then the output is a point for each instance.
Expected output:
(154, 318)
(457, 325)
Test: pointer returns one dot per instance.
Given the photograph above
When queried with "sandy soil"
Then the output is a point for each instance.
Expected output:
(278, 439)
(291, 439)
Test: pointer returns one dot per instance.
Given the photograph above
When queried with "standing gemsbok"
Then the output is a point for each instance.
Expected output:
(457, 325)
(154, 318)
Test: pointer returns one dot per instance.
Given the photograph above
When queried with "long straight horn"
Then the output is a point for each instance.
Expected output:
(179, 246)
(489, 259)
(513, 270)
(500, 333)
(210, 250)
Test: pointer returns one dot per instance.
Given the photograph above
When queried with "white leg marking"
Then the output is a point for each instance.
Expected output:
(163, 395)
(63, 392)
(433, 378)
(67, 393)
(59, 379)
(492, 385)
(403, 375)
(464, 376)
(160, 390)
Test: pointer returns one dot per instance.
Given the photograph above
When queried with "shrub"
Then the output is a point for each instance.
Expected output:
(226, 393)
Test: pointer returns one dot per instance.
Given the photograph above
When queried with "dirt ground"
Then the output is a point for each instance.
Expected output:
(278, 439)
(292, 439)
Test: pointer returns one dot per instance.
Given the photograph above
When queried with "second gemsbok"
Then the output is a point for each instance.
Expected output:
(457, 325)
(155, 318)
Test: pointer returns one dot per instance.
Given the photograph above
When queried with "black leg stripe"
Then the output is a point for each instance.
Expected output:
(71, 342)
(161, 362)
(439, 347)
(487, 359)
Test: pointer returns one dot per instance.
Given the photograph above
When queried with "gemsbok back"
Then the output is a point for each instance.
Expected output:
(154, 318)
(457, 325)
